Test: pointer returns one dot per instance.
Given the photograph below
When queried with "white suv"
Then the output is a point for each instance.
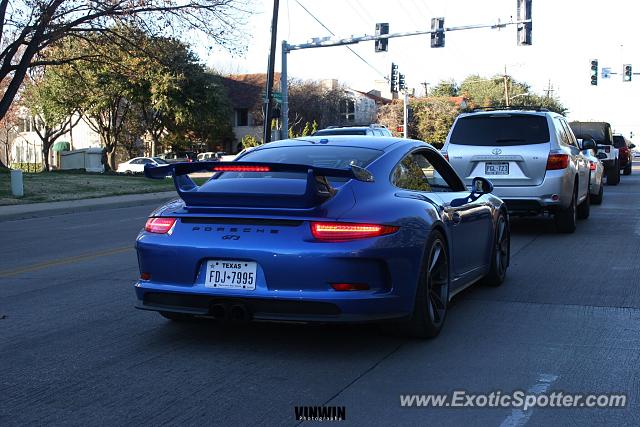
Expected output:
(532, 158)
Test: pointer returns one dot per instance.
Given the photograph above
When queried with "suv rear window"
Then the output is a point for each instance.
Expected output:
(500, 130)
(618, 141)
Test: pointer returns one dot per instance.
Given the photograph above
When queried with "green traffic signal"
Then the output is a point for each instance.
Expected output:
(594, 72)
(627, 73)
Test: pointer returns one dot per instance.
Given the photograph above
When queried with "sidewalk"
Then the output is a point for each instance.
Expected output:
(36, 210)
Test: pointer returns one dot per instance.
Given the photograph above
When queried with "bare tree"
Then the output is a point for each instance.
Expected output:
(29, 27)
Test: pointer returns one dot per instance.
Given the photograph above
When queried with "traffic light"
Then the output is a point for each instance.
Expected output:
(401, 83)
(626, 73)
(382, 45)
(394, 78)
(524, 30)
(594, 72)
(437, 32)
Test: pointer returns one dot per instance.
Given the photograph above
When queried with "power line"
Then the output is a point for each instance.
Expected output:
(348, 47)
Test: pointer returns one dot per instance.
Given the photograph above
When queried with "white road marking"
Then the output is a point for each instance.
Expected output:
(518, 417)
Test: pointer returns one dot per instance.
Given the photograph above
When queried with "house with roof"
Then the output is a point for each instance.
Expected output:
(246, 93)
(246, 96)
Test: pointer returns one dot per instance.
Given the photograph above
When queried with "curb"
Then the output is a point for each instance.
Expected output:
(40, 210)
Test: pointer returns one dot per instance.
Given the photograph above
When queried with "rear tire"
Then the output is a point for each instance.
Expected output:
(613, 174)
(432, 294)
(584, 208)
(177, 317)
(566, 218)
(500, 254)
(627, 169)
(597, 199)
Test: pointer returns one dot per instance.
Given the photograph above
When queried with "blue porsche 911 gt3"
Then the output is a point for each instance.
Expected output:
(322, 229)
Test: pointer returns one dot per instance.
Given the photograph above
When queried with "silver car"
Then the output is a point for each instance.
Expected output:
(596, 185)
(532, 158)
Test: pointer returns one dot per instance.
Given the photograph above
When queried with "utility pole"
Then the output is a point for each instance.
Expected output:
(426, 88)
(549, 89)
(269, 91)
(506, 87)
(405, 115)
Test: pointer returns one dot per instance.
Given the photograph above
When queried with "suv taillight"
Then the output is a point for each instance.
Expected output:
(557, 161)
(592, 165)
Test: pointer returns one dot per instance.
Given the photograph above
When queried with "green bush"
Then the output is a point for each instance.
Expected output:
(27, 167)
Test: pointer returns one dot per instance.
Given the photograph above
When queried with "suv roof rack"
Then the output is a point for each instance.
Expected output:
(373, 125)
(513, 107)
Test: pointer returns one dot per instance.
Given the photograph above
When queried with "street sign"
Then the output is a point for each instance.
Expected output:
(606, 73)
(277, 97)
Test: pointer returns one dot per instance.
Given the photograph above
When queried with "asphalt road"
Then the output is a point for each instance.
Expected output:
(74, 351)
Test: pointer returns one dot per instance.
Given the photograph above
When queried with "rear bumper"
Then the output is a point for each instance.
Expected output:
(291, 308)
(293, 275)
(554, 193)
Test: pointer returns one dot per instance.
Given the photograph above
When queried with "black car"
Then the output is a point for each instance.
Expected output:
(625, 155)
(608, 154)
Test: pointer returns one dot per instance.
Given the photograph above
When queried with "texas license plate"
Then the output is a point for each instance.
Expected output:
(229, 274)
(496, 168)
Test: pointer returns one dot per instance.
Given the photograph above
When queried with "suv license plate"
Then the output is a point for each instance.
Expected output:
(230, 274)
(496, 168)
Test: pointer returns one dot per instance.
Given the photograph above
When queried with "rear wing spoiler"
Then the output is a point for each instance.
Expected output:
(317, 190)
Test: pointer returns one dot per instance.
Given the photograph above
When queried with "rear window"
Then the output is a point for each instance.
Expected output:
(314, 155)
(341, 132)
(618, 141)
(500, 130)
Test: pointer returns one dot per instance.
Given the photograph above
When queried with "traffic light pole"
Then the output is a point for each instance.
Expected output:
(329, 42)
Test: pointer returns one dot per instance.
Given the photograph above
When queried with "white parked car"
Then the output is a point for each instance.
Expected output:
(203, 157)
(136, 165)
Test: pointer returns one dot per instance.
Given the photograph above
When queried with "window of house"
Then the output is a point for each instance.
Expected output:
(348, 109)
(242, 117)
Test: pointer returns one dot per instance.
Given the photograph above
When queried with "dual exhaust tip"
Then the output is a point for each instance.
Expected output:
(230, 312)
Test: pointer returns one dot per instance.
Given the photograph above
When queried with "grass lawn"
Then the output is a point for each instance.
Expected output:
(56, 186)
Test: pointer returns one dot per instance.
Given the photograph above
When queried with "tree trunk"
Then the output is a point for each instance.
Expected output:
(111, 159)
(45, 155)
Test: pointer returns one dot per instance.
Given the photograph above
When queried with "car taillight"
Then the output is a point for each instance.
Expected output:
(239, 168)
(592, 165)
(159, 225)
(557, 161)
(341, 231)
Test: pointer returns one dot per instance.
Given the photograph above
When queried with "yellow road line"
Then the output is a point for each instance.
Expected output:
(63, 261)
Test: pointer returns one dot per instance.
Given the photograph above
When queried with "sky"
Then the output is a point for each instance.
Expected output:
(567, 35)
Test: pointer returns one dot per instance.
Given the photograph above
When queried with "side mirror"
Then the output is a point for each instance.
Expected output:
(632, 146)
(481, 185)
(588, 144)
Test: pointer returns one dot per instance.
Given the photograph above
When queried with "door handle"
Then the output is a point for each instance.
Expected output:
(456, 218)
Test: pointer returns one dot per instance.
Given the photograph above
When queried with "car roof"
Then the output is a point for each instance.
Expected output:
(366, 141)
